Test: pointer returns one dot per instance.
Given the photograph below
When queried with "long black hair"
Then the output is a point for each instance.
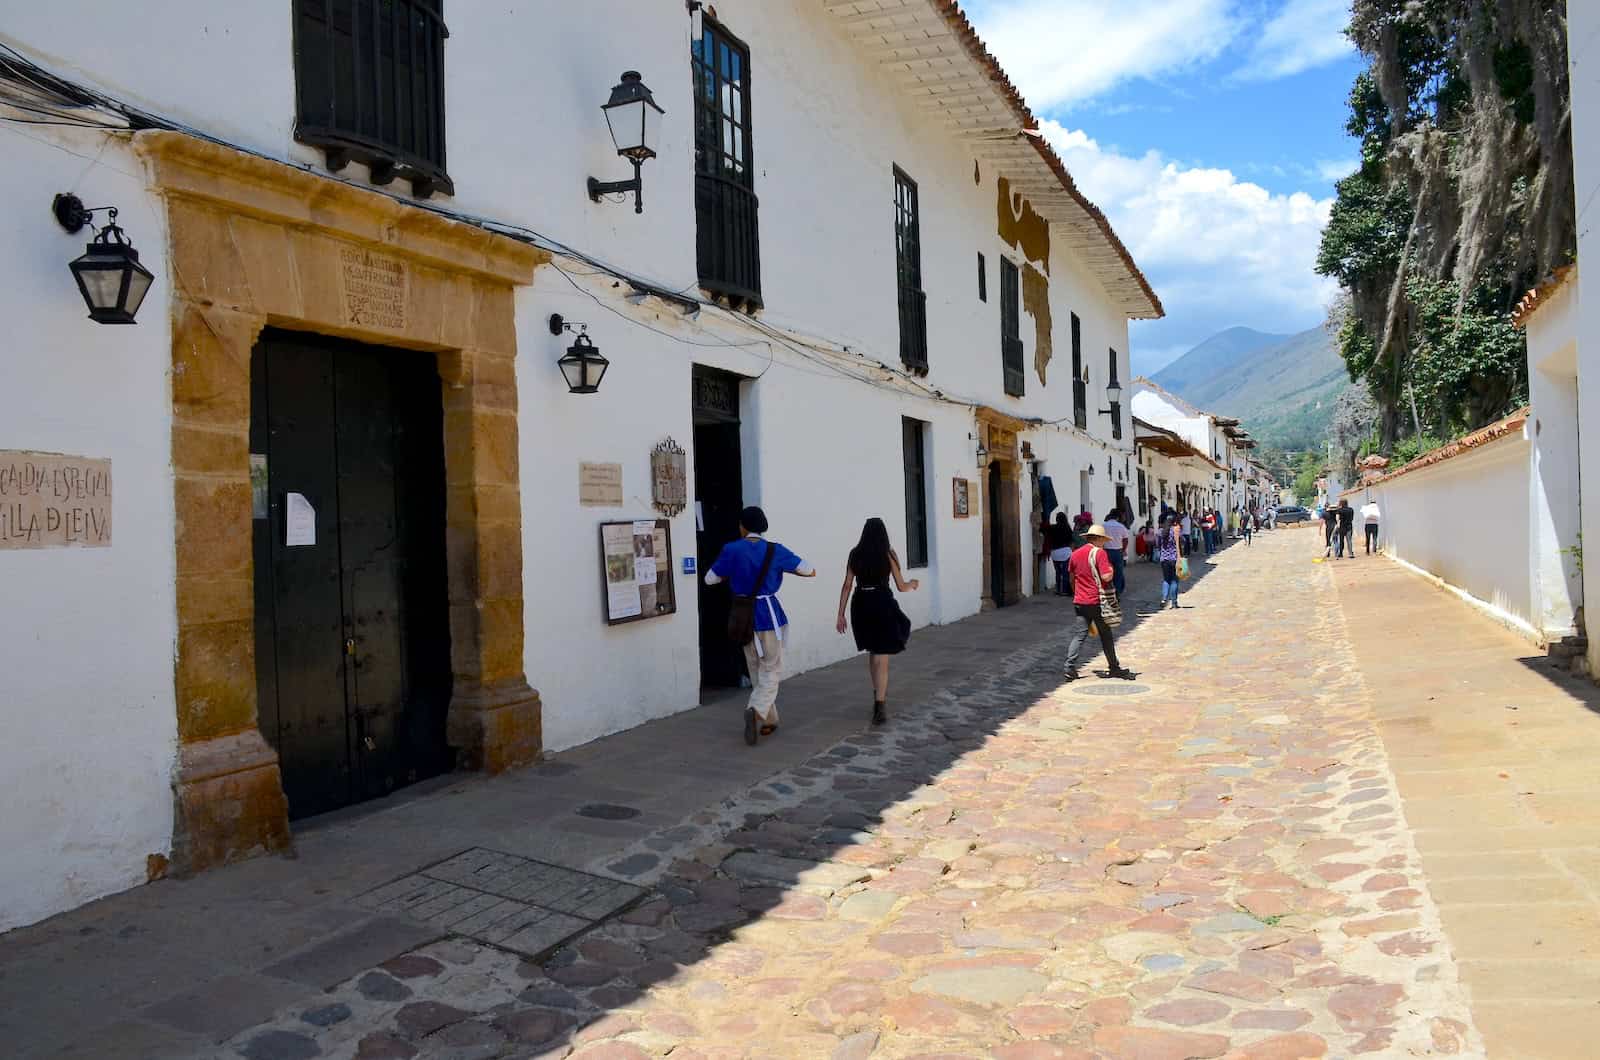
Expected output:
(869, 560)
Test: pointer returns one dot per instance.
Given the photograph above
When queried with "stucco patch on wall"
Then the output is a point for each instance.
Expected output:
(1036, 303)
(1021, 227)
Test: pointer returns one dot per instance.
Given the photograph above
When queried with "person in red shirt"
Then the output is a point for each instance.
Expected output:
(1089, 569)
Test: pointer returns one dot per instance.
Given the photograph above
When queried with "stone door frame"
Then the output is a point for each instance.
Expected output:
(999, 434)
(253, 243)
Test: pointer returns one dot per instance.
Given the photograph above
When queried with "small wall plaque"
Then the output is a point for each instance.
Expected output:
(669, 485)
(962, 501)
(53, 501)
(600, 485)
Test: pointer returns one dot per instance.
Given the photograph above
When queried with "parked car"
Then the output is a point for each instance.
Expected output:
(1293, 513)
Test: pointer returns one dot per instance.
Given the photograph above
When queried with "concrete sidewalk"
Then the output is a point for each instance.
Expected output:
(165, 969)
(1497, 756)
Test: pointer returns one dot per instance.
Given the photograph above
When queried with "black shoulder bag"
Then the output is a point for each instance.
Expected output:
(742, 611)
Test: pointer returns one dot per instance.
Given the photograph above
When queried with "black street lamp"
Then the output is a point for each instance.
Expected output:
(634, 119)
(582, 365)
(1113, 398)
(109, 276)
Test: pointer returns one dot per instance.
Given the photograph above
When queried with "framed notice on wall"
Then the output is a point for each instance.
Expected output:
(961, 502)
(636, 570)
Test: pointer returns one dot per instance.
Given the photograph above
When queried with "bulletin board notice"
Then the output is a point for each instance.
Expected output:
(636, 570)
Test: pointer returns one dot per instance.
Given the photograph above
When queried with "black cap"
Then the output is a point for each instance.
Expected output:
(754, 520)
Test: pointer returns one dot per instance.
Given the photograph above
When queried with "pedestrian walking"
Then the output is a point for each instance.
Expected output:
(1369, 520)
(1091, 572)
(1061, 539)
(1169, 551)
(1347, 530)
(881, 628)
(754, 568)
(1249, 528)
(1119, 538)
(1330, 528)
(1186, 524)
(1209, 528)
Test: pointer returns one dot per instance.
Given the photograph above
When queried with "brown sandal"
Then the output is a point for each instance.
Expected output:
(768, 730)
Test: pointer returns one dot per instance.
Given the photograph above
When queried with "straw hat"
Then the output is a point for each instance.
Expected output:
(1097, 531)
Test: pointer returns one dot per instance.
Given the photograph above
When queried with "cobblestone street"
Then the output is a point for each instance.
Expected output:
(1207, 862)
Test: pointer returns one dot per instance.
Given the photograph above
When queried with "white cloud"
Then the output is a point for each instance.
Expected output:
(1303, 35)
(1219, 251)
(1336, 168)
(1062, 52)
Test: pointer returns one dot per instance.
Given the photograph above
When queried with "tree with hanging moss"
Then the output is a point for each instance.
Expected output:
(1462, 202)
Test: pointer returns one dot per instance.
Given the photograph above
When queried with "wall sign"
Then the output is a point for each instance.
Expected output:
(53, 501)
(669, 486)
(374, 287)
(962, 500)
(600, 485)
(636, 570)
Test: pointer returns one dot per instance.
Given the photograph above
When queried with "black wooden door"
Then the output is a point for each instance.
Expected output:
(352, 631)
(997, 538)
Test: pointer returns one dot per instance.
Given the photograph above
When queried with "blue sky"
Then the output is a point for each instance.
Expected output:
(1210, 132)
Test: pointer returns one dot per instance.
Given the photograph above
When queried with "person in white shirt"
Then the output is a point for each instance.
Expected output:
(1119, 540)
(1369, 516)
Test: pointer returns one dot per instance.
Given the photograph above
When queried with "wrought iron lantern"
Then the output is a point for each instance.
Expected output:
(108, 273)
(634, 119)
(1113, 392)
(582, 365)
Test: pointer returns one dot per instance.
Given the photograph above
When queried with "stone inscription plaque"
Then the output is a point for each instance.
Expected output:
(374, 288)
(53, 501)
(600, 485)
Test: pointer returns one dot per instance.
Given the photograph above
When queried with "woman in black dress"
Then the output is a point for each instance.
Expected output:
(882, 629)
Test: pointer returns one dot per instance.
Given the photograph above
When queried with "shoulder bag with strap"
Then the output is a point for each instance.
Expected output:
(742, 611)
(1110, 606)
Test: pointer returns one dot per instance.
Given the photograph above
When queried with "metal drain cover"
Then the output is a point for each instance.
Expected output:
(1112, 688)
(514, 903)
(607, 811)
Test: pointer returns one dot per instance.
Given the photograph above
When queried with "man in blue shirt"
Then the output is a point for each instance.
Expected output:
(738, 564)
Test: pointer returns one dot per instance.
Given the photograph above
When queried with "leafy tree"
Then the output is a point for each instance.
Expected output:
(1463, 201)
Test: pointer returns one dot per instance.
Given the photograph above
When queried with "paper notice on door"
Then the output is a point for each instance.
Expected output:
(699, 517)
(299, 522)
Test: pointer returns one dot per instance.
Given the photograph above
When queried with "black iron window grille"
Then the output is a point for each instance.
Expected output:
(1080, 385)
(727, 244)
(1116, 406)
(1144, 494)
(983, 280)
(914, 455)
(1010, 328)
(369, 87)
(908, 273)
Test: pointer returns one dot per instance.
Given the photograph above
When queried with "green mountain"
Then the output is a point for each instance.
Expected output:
(1282, 386)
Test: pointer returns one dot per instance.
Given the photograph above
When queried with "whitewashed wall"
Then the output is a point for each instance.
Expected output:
(1583, 36)
(1465, 521)
(86, 635)
(91, 700)
(1553, 480)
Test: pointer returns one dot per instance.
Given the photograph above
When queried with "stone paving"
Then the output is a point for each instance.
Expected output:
(1214, 866)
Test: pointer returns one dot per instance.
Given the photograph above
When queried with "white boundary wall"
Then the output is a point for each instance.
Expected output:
(1466, 522)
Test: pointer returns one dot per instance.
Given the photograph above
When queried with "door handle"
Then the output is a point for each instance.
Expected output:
(350, 646)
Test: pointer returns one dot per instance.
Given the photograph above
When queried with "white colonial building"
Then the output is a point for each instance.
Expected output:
(347, 523)
(1212, 467)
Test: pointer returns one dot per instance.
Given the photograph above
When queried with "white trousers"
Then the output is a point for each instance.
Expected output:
(766, 670)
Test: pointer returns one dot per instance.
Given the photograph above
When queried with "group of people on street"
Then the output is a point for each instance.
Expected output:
(1339, 524)
(1090, 565)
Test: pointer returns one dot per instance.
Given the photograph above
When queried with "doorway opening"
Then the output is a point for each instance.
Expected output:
(1085, 497)
(718, 499)
(352, 630)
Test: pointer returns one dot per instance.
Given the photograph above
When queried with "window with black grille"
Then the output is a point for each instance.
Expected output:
(983, 280)
(1116, 406)
(727, 244)
(369, 87)
(1080, 385)
(914, 454)
(1144, 494)
(1011, 327)
(908, 273)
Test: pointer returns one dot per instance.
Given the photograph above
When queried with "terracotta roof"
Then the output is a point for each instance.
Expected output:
(1168, 443)
(1476, 440)
(931, 46)
(1534, 299)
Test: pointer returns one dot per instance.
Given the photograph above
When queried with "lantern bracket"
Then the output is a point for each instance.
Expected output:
(559, 324)
(599, 188)
(72, 215)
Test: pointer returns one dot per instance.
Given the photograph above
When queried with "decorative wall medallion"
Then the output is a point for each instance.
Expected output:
(669, 478)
